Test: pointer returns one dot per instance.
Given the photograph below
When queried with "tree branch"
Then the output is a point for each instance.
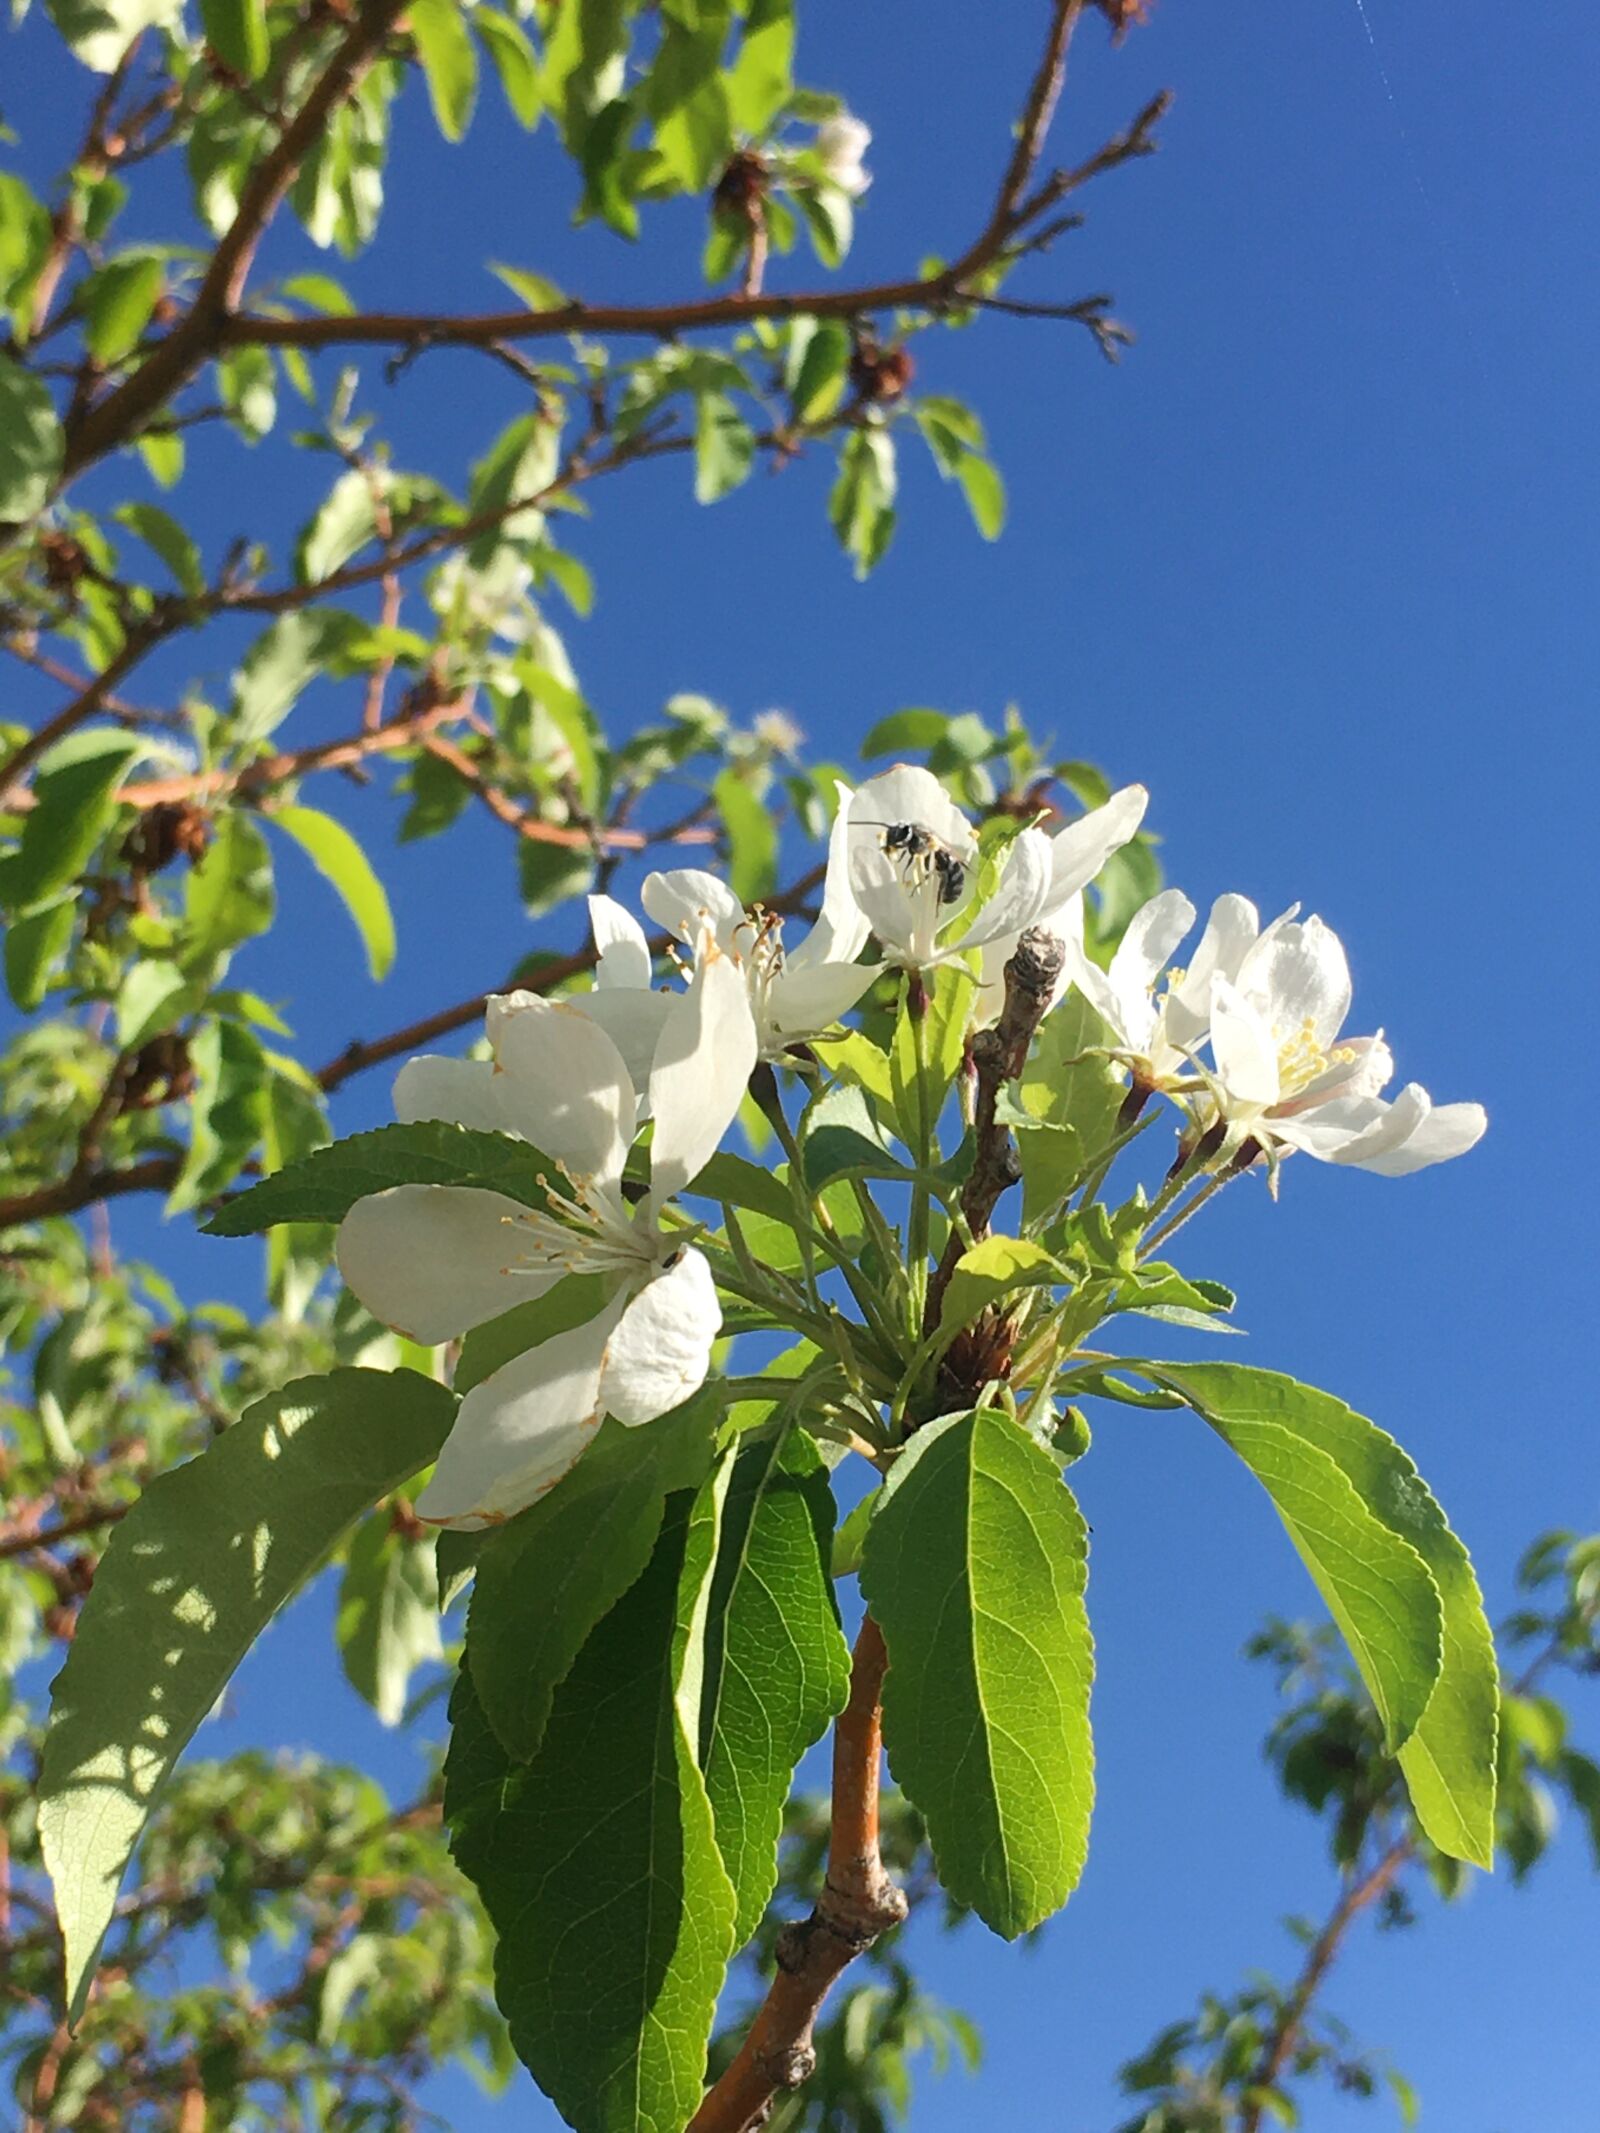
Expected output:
(858, 1903)
(175, 360)
(1280, 2045)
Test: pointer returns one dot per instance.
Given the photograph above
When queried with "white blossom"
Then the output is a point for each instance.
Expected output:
(1157, 1034)
(433, 1261)
(841, 144)
(1285, 1076)
(794, 993)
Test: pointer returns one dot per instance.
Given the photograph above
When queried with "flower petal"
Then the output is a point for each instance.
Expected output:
(661, 1348)
(1243, 1047)
(519, 1431)
(567, 1087)
(879, 886)
(1231, 932)
(633, 1021)
(435, 1260)
(1410, 1134)
(1022, 893)
(908, 793)
(464, 1092)
(1299, 978)
(703, 1063)
(622, 952)
(1078, 852)
(842, 927)
(683, 901)
(802, 1002)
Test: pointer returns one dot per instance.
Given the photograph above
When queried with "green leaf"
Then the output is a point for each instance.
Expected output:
(920, 1092)
(159, 530)
(1070, 1088)
(515, 61)
(228, 1114)
(817, 382)
(598, 1864)
(537, 291)
(236, 31)
(985, 493)
(100, 31)
(284, 658)
(192, 1576)
(1376, 1584)
(324, 1186)
(574, 1300)
(1449, 1758)
(545, 1579)
(118, 299)
(347, 870)
(346, 521)
(249, 388)
(752, 838)
(738, 1182)
(974, 1566)
(855, 1059)
(901, 731)
(228, 897)
(724, 447)
(777, 1668)
(841, 1138)
(992, 1270)
(153, 996)
(759, 81)
(861, 502)
(449, 62)
(34, 946)
(388, 1619)
(74, 792)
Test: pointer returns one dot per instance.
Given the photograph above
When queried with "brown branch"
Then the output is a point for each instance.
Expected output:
(1014, 210)
(84, 705)
(13, 1542)
(998, 1055)
(175, 359)
(1280, 2044)
(528, 824)
(858, 1903)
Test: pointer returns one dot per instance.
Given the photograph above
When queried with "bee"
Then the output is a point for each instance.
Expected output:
(924, 855)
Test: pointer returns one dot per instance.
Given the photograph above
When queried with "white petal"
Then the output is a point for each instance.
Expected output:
(703, 1063)
(1022, 894)
(842, 927)
(1299, 978)
(634, 1022)
(907, 793)
(500, 1007)
(879, 885)
(1448, 1130)
(661, 1349)
(683, 901)
(1231, 931)
(520, 1430)
(1410, 1134)
(567, 1087)
(1329, 1129)
(434, 1260)
(1242, 1044)
(623, 953)
(463, 1091)
(1146, 948)
(802, 1002)
(1078, 852)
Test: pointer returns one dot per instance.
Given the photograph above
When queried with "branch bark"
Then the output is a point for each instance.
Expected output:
(859, 1902)
(1320, 1957)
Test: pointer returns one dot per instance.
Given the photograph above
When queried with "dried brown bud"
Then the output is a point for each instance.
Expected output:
(163, 832)
(880, 375)
(742, 187)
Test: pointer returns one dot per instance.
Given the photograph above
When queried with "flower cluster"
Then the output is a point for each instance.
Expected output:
(1247, 1041)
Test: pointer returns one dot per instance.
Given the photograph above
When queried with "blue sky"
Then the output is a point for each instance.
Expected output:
(1317, 563)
